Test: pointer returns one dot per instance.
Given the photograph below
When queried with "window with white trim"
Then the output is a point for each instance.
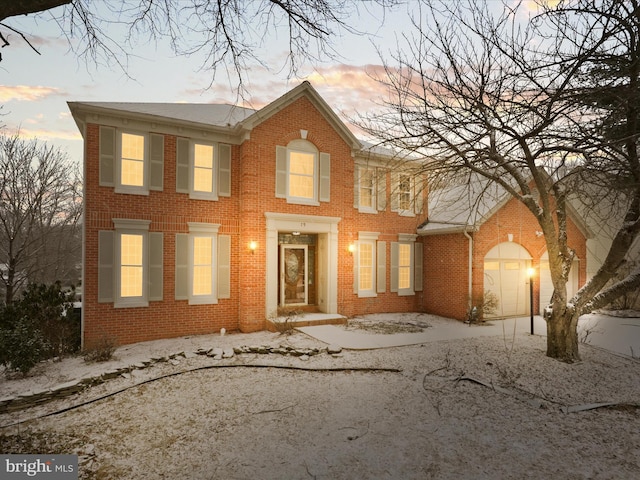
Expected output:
(367, 189)
(366, 272)
(302, 173)
(406, 265)
(405, 192)
(407, 196)
(132, 162)
(130, 262)
(202, 264)
(369, 265)
(203, 169)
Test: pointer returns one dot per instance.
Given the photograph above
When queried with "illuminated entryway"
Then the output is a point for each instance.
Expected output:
(303, 271)
(505, 275)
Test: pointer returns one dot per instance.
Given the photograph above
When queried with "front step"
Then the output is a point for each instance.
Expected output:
(284, 323)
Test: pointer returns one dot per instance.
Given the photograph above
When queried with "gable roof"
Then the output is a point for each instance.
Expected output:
(226, 118)
(304, 89)
(462, 207)
(465, 207)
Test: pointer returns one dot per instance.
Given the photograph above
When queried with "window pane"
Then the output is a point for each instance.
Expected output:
(301, 174)
(202, 266)
(203, 156)
(301, 186)
(131, 265)
(366, 266)
(366, 187)
(132, 146)
(203, 179)
(301, 163)
(203, 168)
(404, 192)
(202, 280)
(404, 266)
(132, 164)
(132, 173)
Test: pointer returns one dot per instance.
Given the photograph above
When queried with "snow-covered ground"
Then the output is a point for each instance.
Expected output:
(486, 406)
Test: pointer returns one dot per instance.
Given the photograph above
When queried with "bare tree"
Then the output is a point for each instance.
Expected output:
(516, 102)
(226, 33)
(40, 208)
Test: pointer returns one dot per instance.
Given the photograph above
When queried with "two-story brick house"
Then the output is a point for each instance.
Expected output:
(199, 217)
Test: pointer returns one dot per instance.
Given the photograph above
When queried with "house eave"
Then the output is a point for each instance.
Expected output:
(82, 113)
(437, 228)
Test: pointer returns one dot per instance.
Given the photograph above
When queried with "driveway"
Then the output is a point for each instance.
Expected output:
(616, 334)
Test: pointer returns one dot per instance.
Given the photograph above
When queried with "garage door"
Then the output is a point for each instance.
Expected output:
(505, 275)
(546, 286)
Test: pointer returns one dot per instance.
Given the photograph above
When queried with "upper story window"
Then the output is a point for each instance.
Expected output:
(370, 194)
(405, 192)
(367, 188)
(132, 154)
(302, 173)
(203, 170)
(407, 195)
(132, 162)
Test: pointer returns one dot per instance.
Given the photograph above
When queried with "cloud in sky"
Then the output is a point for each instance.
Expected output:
(49, 135)
(27, 93)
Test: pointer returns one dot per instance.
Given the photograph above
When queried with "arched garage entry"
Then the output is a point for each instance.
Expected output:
(505, 275)
(546, 286)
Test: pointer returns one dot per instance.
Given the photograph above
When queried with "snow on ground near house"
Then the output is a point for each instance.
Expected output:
(480, 407)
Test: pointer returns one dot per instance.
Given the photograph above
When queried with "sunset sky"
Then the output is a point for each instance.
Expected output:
(34, 88)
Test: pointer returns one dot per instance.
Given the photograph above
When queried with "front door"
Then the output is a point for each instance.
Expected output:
(294, 275)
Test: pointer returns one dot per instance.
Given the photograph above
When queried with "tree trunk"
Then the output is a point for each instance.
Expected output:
(562, 336)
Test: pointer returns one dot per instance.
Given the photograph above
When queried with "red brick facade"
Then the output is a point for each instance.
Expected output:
(447, 257)
(249, 214)
(241, 216)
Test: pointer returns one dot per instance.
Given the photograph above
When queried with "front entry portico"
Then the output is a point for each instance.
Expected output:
(288, 265)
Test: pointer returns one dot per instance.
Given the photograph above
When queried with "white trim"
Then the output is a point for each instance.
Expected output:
(131, 189)
(201, 195)
(327, 230)
(204, 230)
(131, 227)
(374, 190)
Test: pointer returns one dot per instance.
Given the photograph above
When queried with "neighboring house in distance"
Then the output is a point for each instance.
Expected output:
(202, 217)
(479, 238)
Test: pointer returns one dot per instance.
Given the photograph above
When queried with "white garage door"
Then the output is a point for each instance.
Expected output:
(505, 275)
(546, 286)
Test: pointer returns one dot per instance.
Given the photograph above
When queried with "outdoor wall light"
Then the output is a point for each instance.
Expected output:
(351, 248)
(253, 245)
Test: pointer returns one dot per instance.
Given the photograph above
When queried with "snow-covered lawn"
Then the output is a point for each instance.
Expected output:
(489, 407)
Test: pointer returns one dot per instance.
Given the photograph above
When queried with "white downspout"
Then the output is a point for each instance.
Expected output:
(470, 267)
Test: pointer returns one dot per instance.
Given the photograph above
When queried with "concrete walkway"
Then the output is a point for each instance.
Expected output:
(618, 335)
